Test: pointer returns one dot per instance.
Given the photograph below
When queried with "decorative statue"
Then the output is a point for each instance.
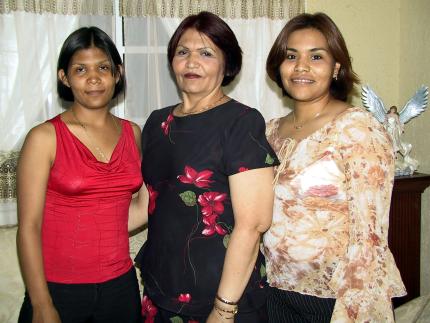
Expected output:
(394, 123)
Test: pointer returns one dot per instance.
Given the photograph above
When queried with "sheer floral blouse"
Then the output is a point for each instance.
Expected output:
(329, 236)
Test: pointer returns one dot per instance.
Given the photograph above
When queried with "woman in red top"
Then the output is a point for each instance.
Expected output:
(76, 176)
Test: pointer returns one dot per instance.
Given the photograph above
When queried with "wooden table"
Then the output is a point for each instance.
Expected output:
(405, 230)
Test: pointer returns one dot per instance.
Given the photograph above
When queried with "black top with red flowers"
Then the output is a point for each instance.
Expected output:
(186, 165)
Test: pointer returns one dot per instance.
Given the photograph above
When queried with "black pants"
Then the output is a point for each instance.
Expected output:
(165, 316)
(114, 301)
(291, 307)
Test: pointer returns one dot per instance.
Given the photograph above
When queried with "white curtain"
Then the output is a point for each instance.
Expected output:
(30, 41)
(151, 85)
(29, 47)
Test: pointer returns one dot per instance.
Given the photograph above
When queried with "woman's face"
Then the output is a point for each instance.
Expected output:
(198, 64)
(90, 78)
(309, 67)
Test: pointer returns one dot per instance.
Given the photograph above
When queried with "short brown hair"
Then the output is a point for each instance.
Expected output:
(346, 78)
(219, 33)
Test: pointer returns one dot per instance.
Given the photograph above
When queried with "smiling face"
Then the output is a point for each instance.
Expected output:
(309, 67)
(90, 78)
(198, 64)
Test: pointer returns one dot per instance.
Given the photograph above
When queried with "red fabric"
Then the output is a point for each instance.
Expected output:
(84, 232)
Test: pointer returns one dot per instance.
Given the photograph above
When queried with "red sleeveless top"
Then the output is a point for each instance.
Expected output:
(84, 230)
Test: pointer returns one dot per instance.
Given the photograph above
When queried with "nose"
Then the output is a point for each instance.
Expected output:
(192, 60)
(302, 65)
(93, 77)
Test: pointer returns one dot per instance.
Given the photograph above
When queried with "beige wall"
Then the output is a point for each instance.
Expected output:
(389, 42)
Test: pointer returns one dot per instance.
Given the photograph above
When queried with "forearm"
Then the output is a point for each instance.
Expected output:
(138, 210)
(239, 262)
(31, 261)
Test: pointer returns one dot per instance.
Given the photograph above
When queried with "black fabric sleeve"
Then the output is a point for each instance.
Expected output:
(246, 146)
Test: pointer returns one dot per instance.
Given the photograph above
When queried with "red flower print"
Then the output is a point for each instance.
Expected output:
(199, 179)
(152, 197)
(212, 228)
(148, 310)
(166, 124)
(243, 169)
(184, 298)
(210, 219)
(211, 202)
(322, 190)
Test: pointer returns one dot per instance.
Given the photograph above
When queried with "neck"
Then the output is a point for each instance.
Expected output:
(304, 111)
(91, 116)
(193, 102)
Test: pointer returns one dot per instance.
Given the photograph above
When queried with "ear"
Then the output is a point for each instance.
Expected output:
(336, 70)
(119, 73)
(63, 78)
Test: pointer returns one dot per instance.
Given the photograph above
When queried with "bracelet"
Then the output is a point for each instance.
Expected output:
(225, 301)
(222, 316)
(233, 311)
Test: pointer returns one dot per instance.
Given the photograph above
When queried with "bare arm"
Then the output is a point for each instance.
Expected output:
(34, 165)
(252, 199)
(138, 210)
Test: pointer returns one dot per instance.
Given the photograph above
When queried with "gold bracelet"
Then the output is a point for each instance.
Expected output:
(233, 311)
(222, 316)
(225, 301)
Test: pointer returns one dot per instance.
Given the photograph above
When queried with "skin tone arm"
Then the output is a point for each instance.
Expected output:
(34, 165)
(252, 200)
(138, 210)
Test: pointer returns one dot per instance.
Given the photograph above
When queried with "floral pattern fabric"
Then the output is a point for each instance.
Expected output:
(329, 235)
(186, 164)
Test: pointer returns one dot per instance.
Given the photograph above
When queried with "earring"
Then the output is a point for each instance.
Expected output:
(335, 77)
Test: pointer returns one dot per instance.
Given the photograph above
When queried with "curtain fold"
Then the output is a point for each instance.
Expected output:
(243, 9)
(62, 7)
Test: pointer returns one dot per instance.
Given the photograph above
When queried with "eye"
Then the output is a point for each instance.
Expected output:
(206, 53)
(181, 52)
(104, 67)
(80, 69)
(290, 56)
(316, 57)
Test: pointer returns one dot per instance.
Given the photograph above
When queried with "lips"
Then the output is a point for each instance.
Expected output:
(191, 76)
(302, 81)
(95, 92)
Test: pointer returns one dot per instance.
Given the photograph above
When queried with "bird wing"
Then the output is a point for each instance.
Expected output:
(373, 103)
(415, 106)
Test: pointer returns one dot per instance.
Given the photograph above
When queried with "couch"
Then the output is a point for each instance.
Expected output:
(11, 285)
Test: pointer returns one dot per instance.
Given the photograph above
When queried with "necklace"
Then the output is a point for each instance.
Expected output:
(299, 127)
(91, 139)
(210, 106)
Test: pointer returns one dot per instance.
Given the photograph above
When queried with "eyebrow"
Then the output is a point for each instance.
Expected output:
(85, 63)
(311, 50)
(179, 45)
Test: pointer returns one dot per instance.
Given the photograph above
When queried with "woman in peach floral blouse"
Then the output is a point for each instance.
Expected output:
(327, 249)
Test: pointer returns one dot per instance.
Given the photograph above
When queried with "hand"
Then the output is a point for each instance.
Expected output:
(45, 314)
(214, 317)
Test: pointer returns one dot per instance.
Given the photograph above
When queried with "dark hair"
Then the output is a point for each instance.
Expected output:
(346, 77)
(219, 33)
(84, 38)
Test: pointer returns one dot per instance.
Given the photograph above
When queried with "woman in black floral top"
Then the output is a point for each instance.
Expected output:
(209, 172)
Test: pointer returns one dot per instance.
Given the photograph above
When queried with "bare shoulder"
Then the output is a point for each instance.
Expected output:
(44, 132)
(137, 133)
(136, 128)
(40, 140)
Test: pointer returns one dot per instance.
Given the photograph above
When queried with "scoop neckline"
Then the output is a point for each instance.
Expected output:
(321, 129)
